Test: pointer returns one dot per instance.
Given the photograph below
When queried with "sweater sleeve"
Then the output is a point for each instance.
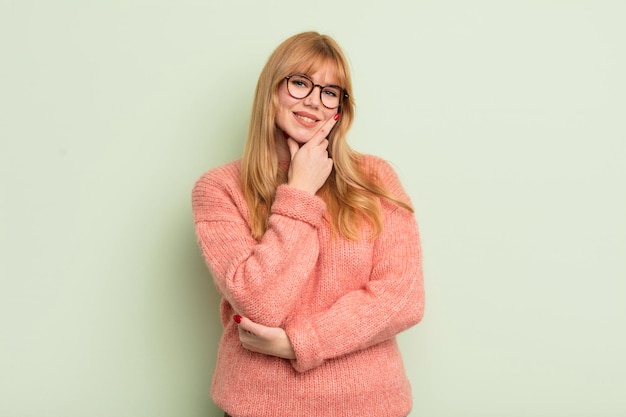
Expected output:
(392, 300)
(260, 279)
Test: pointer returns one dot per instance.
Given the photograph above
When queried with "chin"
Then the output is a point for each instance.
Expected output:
(301, 140)
(300, 137)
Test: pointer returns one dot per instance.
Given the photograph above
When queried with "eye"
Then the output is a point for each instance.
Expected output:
(331, 92)
(300, 82)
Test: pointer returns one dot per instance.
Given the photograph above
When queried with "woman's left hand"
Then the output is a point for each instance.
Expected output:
(271, 341)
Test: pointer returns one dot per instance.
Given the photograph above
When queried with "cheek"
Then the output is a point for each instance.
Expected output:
(282, 116)
(328, 113)
(279, 121)
(285, 101)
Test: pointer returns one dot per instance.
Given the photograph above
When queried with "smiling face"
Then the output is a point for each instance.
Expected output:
(301, 118)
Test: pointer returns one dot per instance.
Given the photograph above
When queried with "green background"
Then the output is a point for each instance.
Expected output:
(504, 120)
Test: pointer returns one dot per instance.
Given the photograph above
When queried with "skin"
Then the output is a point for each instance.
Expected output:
(306, 123)
(271, 341)
(302, 127)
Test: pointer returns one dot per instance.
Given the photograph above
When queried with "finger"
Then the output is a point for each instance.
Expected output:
(241, 329)
(249, 326)
(321, 134)
(245, 334)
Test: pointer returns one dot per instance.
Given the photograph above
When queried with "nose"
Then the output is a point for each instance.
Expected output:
(314, 98)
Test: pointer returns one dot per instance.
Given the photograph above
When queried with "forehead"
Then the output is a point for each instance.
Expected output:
(322, 72)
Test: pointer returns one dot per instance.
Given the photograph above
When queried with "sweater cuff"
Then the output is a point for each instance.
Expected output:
(300, 205)
(305, 343)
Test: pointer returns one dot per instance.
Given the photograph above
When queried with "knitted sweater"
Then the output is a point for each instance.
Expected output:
(340, 302)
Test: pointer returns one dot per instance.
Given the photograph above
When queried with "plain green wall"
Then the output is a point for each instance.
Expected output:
(505, 121)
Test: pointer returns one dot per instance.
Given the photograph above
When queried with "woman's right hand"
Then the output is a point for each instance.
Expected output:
(310, 165)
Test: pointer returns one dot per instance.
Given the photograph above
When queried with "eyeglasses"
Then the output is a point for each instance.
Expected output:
(300, 86)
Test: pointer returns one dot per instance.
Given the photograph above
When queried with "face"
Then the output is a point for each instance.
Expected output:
(301, 118)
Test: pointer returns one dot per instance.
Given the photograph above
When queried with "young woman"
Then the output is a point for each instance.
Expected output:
(314, 249)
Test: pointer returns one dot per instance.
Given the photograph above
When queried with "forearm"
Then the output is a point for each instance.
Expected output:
(261, 279)
(355, 322)
(264, 283)
(390, 302)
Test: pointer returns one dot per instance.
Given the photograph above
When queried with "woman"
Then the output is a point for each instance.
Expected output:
(314, 249)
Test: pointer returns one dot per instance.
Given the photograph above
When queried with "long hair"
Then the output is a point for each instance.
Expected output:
(351, 196)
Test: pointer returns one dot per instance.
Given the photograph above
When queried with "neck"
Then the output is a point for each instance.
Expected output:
(282, 149)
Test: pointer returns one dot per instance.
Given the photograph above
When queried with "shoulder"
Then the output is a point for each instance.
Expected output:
(218, 187)
(221, 176)
(377, 169)
(382, 173)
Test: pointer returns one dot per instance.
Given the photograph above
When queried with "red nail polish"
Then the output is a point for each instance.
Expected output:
(237, 318)
(336, 117)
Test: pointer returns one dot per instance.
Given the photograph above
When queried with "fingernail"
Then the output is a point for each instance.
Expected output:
(237, 318)
(336, 117)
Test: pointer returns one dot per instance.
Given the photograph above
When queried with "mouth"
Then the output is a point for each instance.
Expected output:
(306, 117)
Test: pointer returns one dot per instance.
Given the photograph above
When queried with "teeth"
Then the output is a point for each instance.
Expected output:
(306, 119)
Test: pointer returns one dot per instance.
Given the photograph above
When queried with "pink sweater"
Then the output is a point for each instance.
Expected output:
(341, 302)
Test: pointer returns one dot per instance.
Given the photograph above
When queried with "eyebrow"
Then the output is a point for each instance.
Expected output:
(316, 83)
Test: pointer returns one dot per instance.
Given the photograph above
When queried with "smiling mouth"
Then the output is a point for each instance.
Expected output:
(306, 119)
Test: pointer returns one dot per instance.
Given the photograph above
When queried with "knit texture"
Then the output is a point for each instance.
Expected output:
(341, 302)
